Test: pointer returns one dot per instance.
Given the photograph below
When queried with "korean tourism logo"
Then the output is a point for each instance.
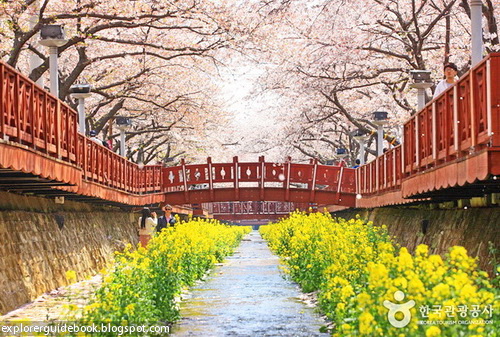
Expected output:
(447, 315)
(394, 308)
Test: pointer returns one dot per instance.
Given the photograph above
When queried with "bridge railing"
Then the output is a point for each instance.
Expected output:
(462, 120)
(31, 116)
(235, 175)
(105, 167)
(253, 207)
(382, 174)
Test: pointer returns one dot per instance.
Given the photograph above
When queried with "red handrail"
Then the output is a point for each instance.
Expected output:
(462, 121)
(33, 117)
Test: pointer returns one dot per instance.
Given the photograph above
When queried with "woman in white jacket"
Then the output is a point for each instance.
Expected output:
(147, 226)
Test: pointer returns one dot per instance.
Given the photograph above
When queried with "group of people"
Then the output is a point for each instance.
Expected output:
(150, 223)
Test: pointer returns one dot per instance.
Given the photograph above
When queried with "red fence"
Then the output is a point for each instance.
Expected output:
(459, 123)
(252, 207)
(462, 120)
(33, 117)
(382, 174)
(260, 176)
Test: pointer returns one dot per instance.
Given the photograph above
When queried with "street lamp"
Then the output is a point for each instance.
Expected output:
(52, 36)
(80, 92)
(123, 124)
(35, 60)
(379, 119)
(477, 31)
(341, 152)
(360, 136)
(421, 81)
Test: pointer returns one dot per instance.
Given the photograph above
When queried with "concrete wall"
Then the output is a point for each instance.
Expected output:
(473, 228)
(36, 251)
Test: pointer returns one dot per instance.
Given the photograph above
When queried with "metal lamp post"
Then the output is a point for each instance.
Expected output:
(123, 124)
(35, 60)
(421, 81)
(360, 136)
(80, 92)
(341, 154)
(477, 31)
(52, 36)
(379, 119)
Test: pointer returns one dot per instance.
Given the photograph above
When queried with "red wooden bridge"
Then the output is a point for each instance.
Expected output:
(252, 210)
(451, 149)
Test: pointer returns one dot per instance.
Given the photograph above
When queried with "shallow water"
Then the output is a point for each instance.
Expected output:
(247, 296)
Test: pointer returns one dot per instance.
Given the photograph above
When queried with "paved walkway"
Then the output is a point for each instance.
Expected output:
(54, 305)
(247, 296)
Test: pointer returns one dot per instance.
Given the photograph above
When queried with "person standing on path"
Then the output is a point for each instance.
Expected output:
(167, 219)
(147, 225)
(450, 73)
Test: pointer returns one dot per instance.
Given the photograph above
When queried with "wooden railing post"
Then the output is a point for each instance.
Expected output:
(488, 98)
(262, 176)
(456, 125)
(434, 132)
(210, 179)
(184, 178)
(313, 182)
(3, 96)
(417, 142)
(16, 107)
(494, 103)
(473, 112)
(287, 178)
(339, 183)
(236, 170)
(58, 129)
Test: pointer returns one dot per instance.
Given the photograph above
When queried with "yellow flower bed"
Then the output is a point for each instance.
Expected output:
(142, 286)
(360, 274)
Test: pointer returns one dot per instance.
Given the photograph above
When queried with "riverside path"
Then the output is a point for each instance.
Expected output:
(247, 296)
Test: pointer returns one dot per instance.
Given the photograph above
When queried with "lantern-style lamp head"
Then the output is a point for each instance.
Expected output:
(80, 90)
(379, 117)
(341, 152)
(52, 36)
(421, 79)
(123, 122)
(359, 135)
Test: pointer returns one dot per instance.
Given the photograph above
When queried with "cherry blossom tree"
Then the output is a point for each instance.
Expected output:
(149, 60)
(338, 61)
(320, 68)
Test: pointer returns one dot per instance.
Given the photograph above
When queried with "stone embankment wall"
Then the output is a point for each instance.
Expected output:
(41, 240)
(474, 228)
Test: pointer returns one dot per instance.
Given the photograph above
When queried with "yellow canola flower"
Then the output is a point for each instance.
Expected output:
(143, 283)
(357, 267)
(71, 276)
(432, 331)
(365, 323)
